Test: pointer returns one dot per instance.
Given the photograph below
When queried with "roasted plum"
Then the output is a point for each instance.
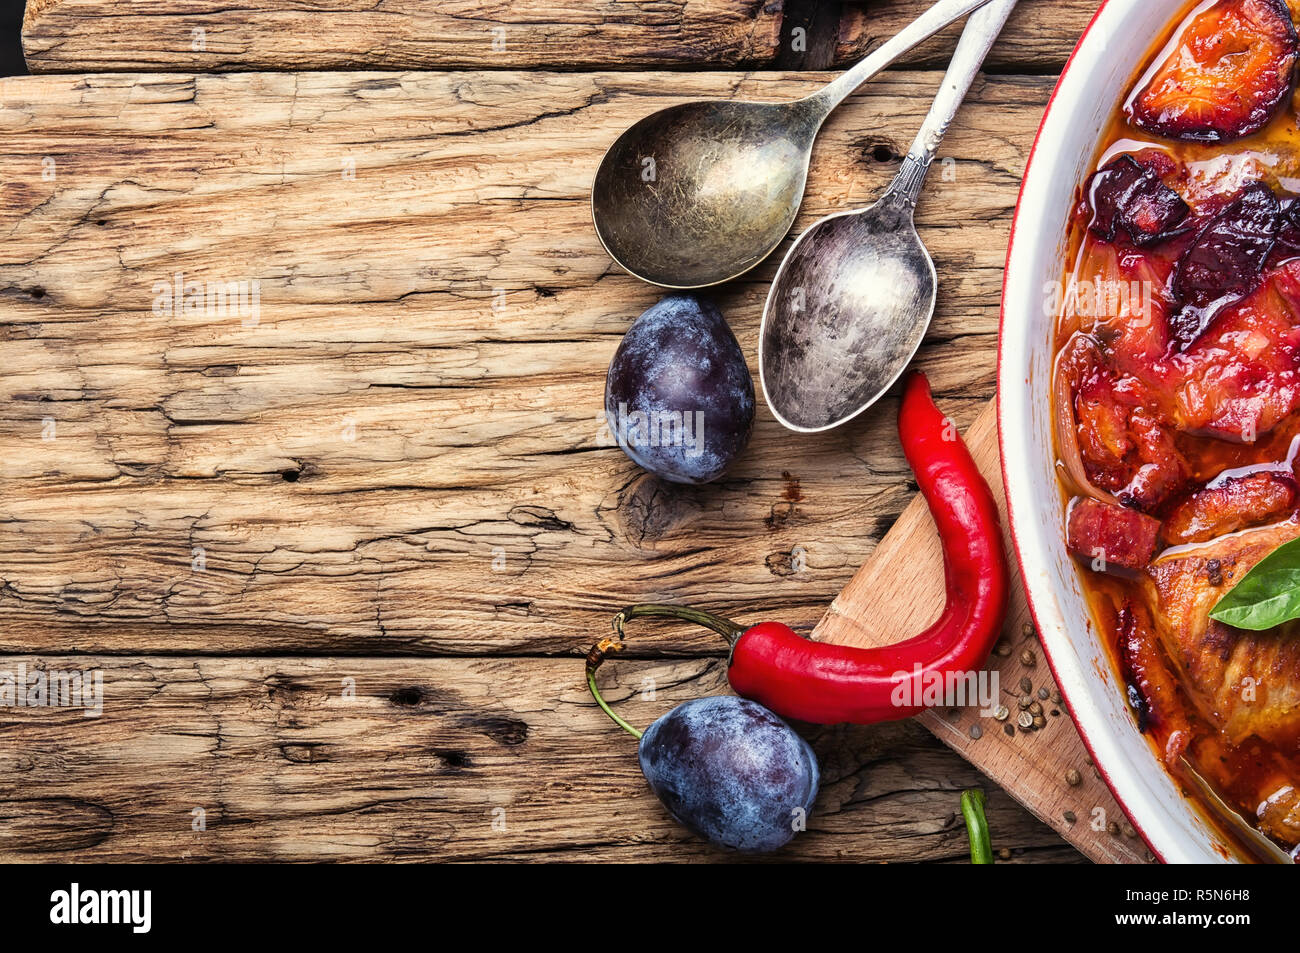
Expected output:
(1119, 299)
(1287, 245)
(1225, 75)
(1126, 445)
(1242, 376)
(1224, 262)
(1101, 417)
(1226, 365)
(1126, 195)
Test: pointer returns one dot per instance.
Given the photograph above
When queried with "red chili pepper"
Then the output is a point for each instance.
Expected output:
(829, 684)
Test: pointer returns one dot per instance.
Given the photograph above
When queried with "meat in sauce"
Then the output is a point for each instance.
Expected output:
(1177, 392)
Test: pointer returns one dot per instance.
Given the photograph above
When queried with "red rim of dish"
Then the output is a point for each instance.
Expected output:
(1002, 320)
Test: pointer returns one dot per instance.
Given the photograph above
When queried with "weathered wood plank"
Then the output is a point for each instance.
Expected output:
(104, 35)
(420, 762)
(1037, 39)
(384, 461)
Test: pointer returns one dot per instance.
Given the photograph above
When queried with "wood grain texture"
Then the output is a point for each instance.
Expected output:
(416, 400)
(105, 35)
(901, 590)
(1038, 38)
(430, 759)
(402, 455)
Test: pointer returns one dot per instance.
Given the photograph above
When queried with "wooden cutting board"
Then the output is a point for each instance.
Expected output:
(901, 590)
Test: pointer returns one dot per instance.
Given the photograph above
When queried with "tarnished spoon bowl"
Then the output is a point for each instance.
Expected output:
(846, 315)
(697, 194)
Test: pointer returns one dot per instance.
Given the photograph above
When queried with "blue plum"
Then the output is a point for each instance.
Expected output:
(679, 397)
(731, 771)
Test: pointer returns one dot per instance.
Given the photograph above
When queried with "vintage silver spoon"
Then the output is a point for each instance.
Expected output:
(700, 193)
(855, 294)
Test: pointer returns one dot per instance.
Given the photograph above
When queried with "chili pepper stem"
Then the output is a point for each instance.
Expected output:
(977, 826)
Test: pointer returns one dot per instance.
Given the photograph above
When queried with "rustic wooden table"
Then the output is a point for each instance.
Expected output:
(338, 555)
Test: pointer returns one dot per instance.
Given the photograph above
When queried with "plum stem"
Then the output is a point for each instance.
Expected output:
(610, 644)
(724, 627)
(595, 693)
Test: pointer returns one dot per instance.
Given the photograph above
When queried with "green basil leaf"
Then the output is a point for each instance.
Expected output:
(1266, 596)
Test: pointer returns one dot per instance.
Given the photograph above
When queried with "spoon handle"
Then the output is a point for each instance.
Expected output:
(977, 39)
(918, 31)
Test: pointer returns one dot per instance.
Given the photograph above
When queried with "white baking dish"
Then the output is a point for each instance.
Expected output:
(1093, 84)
